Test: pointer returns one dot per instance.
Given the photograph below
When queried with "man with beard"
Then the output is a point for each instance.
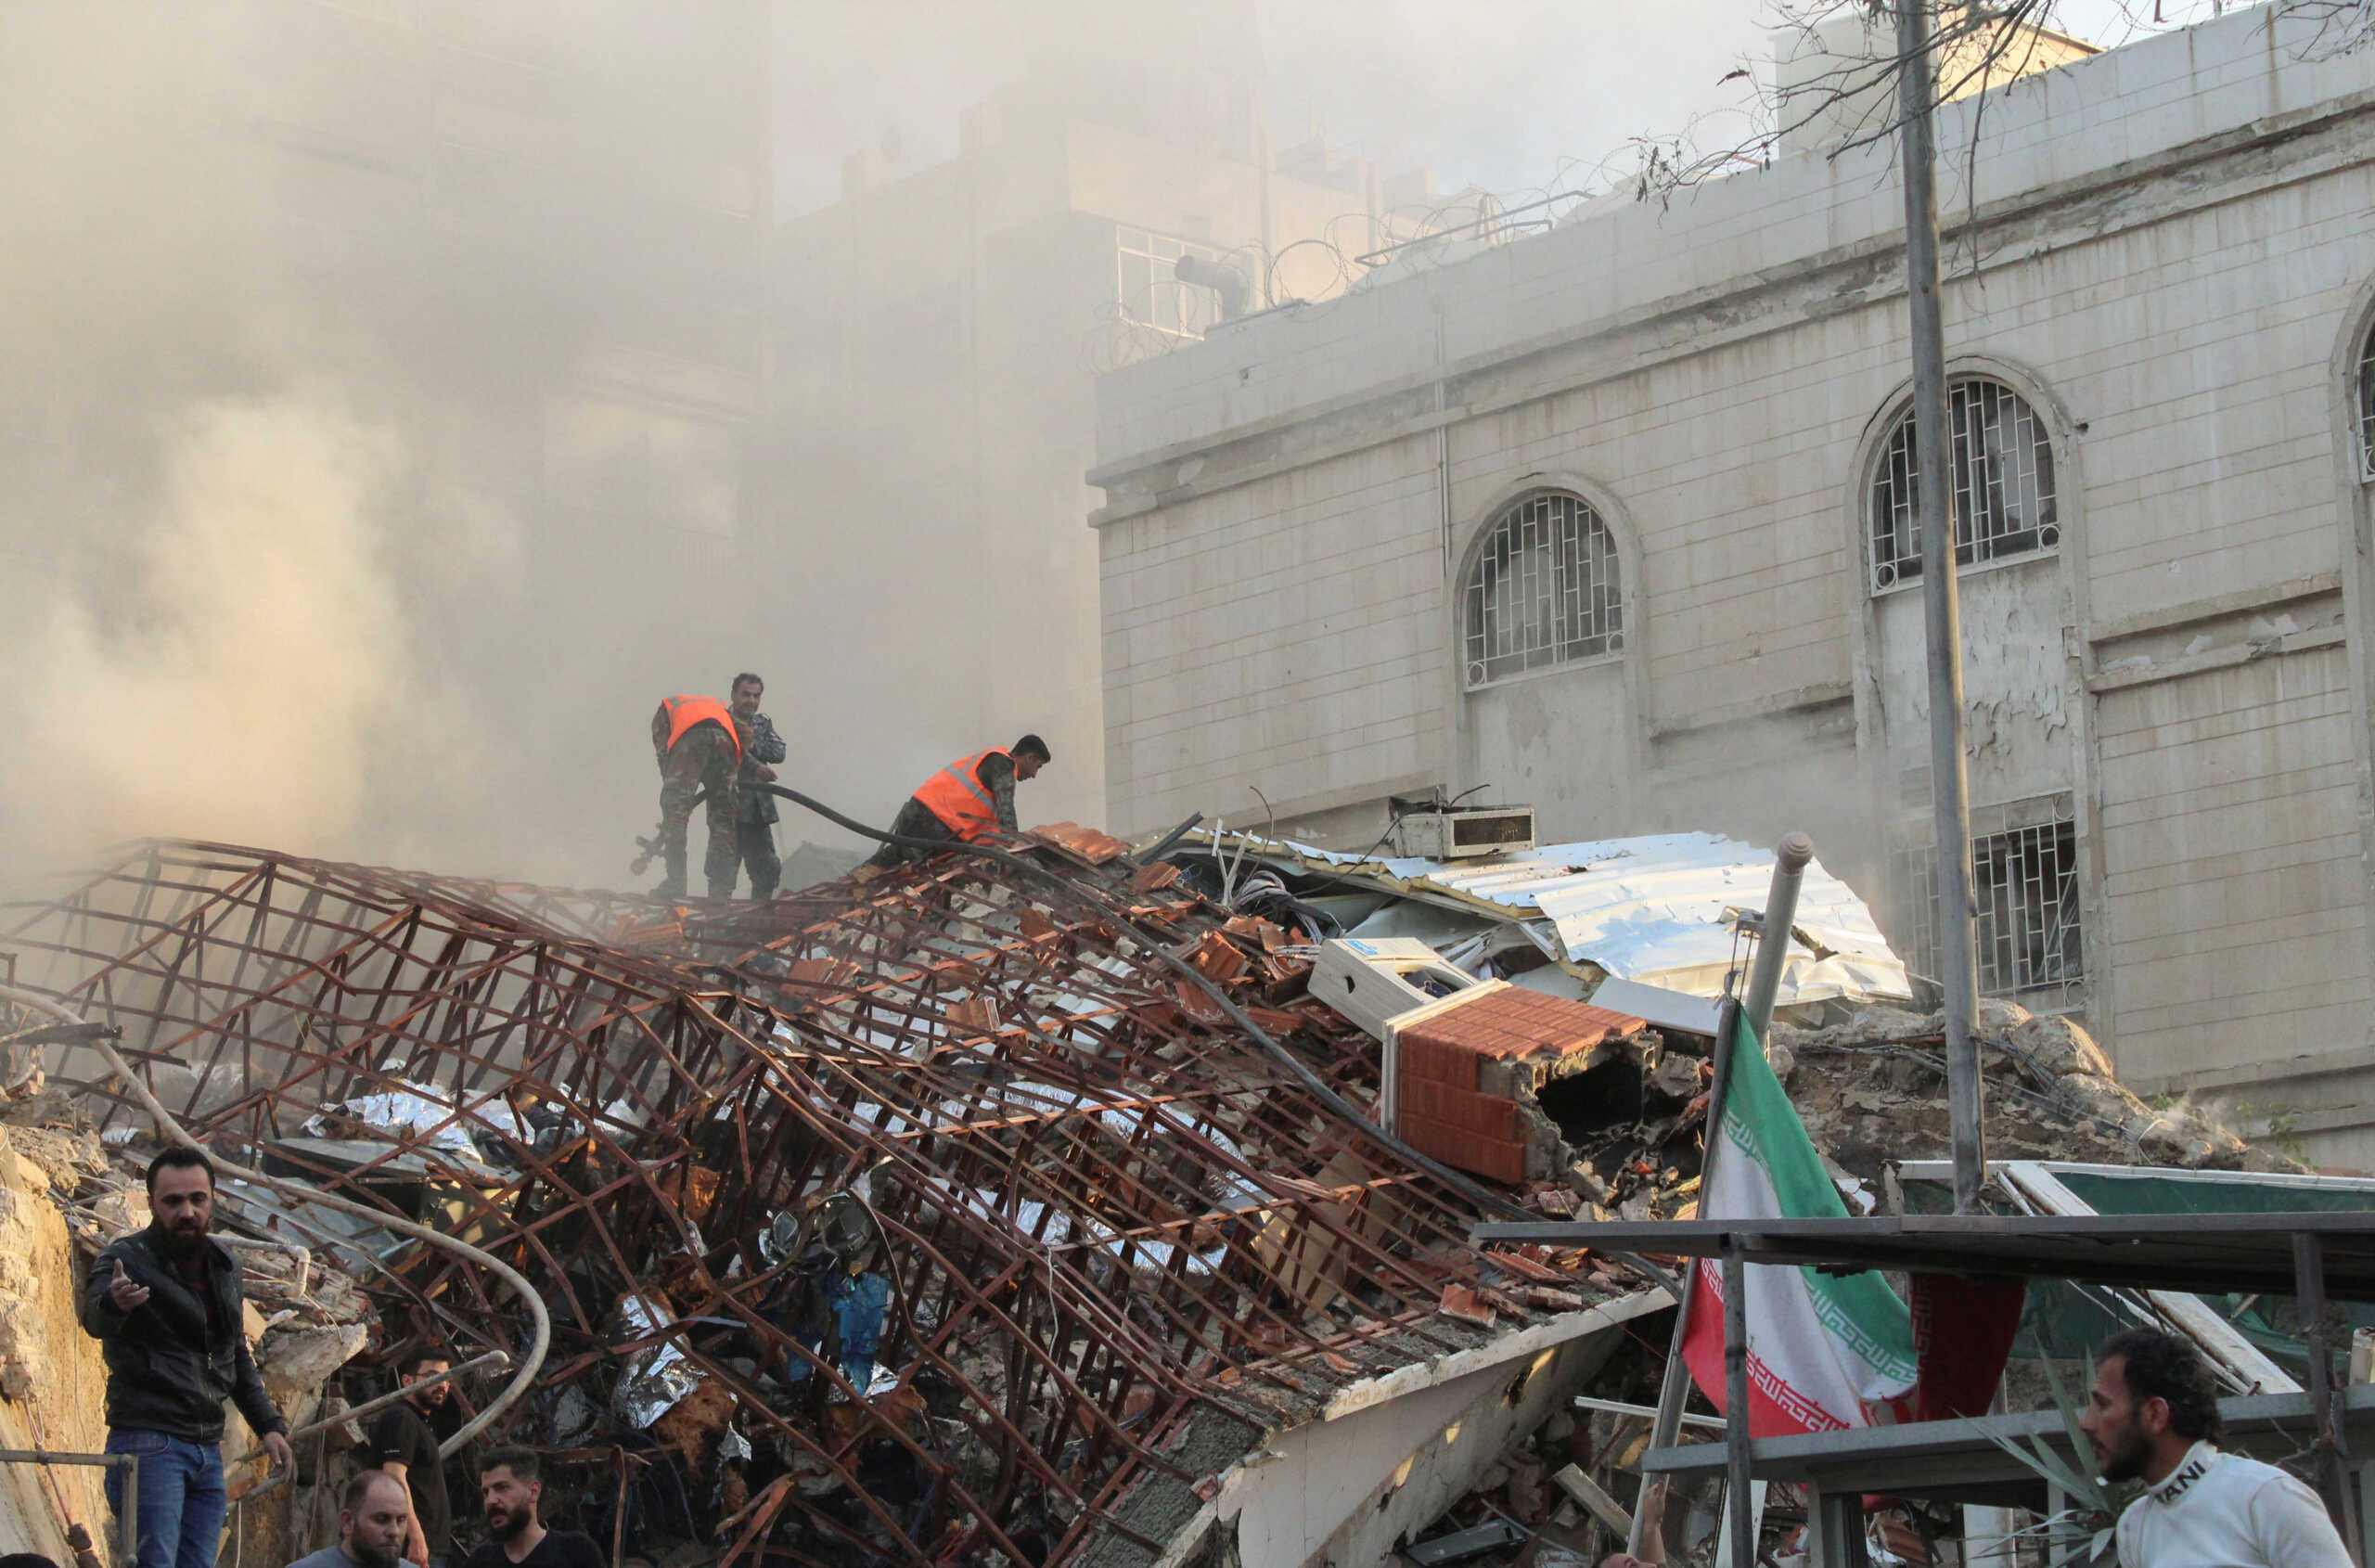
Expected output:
(754, 838)
(517, 1537)
(2153, 1417)
(165, 1306)
(403, 1445)
(373, 1523)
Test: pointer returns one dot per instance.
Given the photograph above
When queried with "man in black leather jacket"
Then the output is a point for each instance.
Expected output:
(165, 1304)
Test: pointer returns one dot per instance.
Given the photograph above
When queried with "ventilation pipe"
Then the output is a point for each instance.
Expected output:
(1228, 282)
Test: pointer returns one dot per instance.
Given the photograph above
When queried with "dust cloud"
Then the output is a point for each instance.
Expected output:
(307, 319)
(397, 397)
(252, 659)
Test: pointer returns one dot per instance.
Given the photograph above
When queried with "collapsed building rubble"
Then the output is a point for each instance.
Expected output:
(929, 1218)
(1651, 931)
(935, 1216)
(1607, 1115)
(1869, 1088)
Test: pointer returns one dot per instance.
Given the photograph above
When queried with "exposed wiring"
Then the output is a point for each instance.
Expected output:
(1269, 832)
(1343, 873)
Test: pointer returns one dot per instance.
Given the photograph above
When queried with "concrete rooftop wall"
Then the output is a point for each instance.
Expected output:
(1619, 256)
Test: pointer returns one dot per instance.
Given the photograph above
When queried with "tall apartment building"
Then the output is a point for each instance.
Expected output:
(1616, 520)
(938, 335)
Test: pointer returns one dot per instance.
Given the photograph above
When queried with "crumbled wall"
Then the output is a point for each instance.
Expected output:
(1872, 1088)
(52, 1383)
(53, 1377)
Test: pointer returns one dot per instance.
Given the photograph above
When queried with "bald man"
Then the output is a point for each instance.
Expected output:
(374, 1522)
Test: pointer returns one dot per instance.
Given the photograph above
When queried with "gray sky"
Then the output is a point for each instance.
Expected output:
(1511, 94)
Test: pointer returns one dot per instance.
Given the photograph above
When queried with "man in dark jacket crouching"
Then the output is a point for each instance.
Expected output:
(165, 1304)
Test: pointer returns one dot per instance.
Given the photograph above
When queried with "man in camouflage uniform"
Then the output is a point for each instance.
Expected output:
(762, 747)
(706, 757)
(986, 779)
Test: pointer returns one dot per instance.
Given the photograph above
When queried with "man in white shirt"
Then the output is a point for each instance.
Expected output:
(2153, 1417)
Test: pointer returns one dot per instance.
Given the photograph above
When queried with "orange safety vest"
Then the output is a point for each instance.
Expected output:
(956, 796)
(683, 712)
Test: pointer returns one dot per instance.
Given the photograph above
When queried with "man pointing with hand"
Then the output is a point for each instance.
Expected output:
(165, 1304)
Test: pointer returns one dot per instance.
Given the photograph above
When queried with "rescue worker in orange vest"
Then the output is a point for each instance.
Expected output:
(698, 747)
(969, 798)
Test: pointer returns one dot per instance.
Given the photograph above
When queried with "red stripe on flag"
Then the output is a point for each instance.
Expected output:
(1775, 1409)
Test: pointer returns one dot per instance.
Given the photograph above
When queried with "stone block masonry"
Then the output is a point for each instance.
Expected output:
(2168, 263)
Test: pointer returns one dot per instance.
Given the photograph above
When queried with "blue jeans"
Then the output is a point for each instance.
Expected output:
(182, 1502)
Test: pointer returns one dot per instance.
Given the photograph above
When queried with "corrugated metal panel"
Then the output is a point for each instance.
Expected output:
(1659, 909)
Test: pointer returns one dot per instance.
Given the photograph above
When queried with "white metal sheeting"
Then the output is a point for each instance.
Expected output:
(1660, 911)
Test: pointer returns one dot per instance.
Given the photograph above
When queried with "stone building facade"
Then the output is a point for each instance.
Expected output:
(1612, 521)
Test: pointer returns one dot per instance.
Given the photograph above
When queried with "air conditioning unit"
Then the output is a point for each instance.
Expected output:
(1461, 832)
(1384, 984)
(1372, 979)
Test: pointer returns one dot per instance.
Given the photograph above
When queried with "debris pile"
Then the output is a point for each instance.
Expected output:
(934, 1217)
(1869, 1086)
(1674, 911)
(981, 1210)
(1871, 1089)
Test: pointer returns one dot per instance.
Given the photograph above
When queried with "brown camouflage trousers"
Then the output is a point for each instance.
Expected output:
(704, 759)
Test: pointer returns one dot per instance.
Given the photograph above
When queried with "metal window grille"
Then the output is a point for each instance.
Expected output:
(2027, 938)
(1152, 295)
(2001, 464)
(2367, 408)
(1543, 590)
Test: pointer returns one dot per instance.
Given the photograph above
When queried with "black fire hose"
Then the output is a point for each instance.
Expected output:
(1489, 1202)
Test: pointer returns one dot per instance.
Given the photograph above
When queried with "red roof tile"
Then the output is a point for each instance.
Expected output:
(1217, 958)
(1514, 1023)
(1154, 874)
(974, 1015)
(1461, 1302)
(1089, 843)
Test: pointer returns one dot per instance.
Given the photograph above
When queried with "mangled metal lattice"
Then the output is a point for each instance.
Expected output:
(908, 1221)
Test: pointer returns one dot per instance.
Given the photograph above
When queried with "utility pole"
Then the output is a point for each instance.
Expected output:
(1949, 777)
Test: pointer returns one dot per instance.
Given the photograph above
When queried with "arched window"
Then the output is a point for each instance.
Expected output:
(2000, 464)
(1543, 590)
(2367, 407)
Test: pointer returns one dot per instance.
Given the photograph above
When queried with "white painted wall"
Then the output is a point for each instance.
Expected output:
(2020, 702)
(1339, 1493)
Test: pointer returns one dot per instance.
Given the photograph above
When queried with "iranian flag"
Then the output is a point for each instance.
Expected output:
(1824, 1351)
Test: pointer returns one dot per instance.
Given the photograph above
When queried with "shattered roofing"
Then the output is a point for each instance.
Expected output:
(1097, 1209)
(1658, 909)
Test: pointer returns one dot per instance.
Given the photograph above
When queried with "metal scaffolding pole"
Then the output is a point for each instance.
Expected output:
(1949, 777)
(1790, 864)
